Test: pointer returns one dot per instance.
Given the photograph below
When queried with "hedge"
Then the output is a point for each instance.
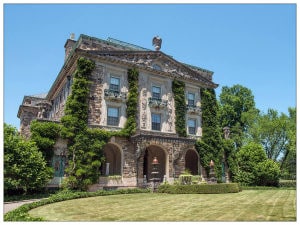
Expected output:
(21, 213)
(199, 189)
(287, 183)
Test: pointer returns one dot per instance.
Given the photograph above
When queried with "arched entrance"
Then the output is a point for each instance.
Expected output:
(151, 152)
(113, 161)
(192, 161)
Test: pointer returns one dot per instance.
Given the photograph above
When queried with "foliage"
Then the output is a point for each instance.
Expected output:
(237, 111)
(199, 189)
(271, 131)
(44, 134)
(288, 183)
(25, 169)
(180, 107)
(255, 168)
(267, 173)
(210, 146)
(230, 152)
(288, 161)
(21, 213)
(132, 103)
(87, 156)
(185, 179)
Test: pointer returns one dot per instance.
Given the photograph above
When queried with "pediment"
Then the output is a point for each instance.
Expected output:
(158, 62)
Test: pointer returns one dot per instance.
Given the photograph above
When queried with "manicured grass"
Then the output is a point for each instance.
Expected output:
(248, 205)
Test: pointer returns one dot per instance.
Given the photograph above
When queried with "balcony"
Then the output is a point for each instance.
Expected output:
(115, 95)
(193, 109)
(157, 103)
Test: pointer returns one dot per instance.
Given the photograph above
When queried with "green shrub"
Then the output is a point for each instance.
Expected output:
(199, 189)
(21, 213)
(267, 173)
(287, 183)
(185, 179)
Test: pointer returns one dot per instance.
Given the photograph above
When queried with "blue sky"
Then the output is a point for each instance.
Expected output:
(249, 44)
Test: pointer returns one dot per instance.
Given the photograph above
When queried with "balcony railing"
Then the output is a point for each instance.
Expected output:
(157, 102)
(193, 109)
(115, 95)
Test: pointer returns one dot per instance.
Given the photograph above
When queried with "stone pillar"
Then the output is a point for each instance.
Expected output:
(107, 169)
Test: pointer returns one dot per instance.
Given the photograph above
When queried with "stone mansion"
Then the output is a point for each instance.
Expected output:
(127, 158)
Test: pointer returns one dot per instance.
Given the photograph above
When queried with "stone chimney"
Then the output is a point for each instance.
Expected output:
(69, 45)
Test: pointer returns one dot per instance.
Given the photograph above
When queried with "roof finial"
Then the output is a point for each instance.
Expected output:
(156, 42)
(72, 36)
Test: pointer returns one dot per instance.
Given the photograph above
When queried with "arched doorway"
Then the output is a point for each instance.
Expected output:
(113, 160)
(192, 161)
(151, 152)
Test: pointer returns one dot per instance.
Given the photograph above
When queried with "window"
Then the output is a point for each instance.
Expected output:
(192, 126)
(155, 121)
(113, 116)
(156, 92)
(191, 99)
(114, 84)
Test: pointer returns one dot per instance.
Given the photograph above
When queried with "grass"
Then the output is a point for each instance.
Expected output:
(248, 205)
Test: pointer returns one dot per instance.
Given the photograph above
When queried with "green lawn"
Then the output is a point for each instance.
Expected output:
(248, 205)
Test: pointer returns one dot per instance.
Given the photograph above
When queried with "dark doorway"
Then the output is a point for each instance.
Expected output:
(192, 162)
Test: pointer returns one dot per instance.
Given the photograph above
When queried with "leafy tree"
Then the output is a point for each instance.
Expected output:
(210, 145)
(288, 161)
(24, 166)
(237, 111)
(271, 130)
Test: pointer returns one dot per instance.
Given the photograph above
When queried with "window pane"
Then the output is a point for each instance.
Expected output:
(115, 81)
(155, 121)
(192, 126)
(191, 99)
(114, 84)
(155, 92)
(114, 112)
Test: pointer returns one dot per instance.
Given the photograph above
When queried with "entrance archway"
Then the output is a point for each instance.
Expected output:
(151, 152)
(113, 160)
(192, 161)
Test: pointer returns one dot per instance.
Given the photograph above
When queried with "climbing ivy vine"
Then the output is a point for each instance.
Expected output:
(210, 145)
(180, 107)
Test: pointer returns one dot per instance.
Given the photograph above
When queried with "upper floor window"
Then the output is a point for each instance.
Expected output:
(156, 92)
(191, 99)
(113, 116)
(192, 126)
(156, 121)
(114, 84)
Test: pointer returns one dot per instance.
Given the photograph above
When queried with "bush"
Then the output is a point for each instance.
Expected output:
(185, 179)
(287, 183)
(199, 189)
(21, 213)
(267, 173)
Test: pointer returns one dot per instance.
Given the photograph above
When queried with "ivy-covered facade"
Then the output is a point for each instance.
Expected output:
(115, 107)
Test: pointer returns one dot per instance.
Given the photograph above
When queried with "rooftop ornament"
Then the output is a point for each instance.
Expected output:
(156, 42)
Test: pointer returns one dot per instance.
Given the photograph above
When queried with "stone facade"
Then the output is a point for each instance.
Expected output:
(128, 161)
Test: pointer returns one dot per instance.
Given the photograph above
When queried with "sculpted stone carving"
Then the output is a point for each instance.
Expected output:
(156, 42)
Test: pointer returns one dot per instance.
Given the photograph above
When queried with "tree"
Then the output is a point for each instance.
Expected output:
(271, 130)
(288, 161)
(210, 146)
(24, 166)
(237, 111)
